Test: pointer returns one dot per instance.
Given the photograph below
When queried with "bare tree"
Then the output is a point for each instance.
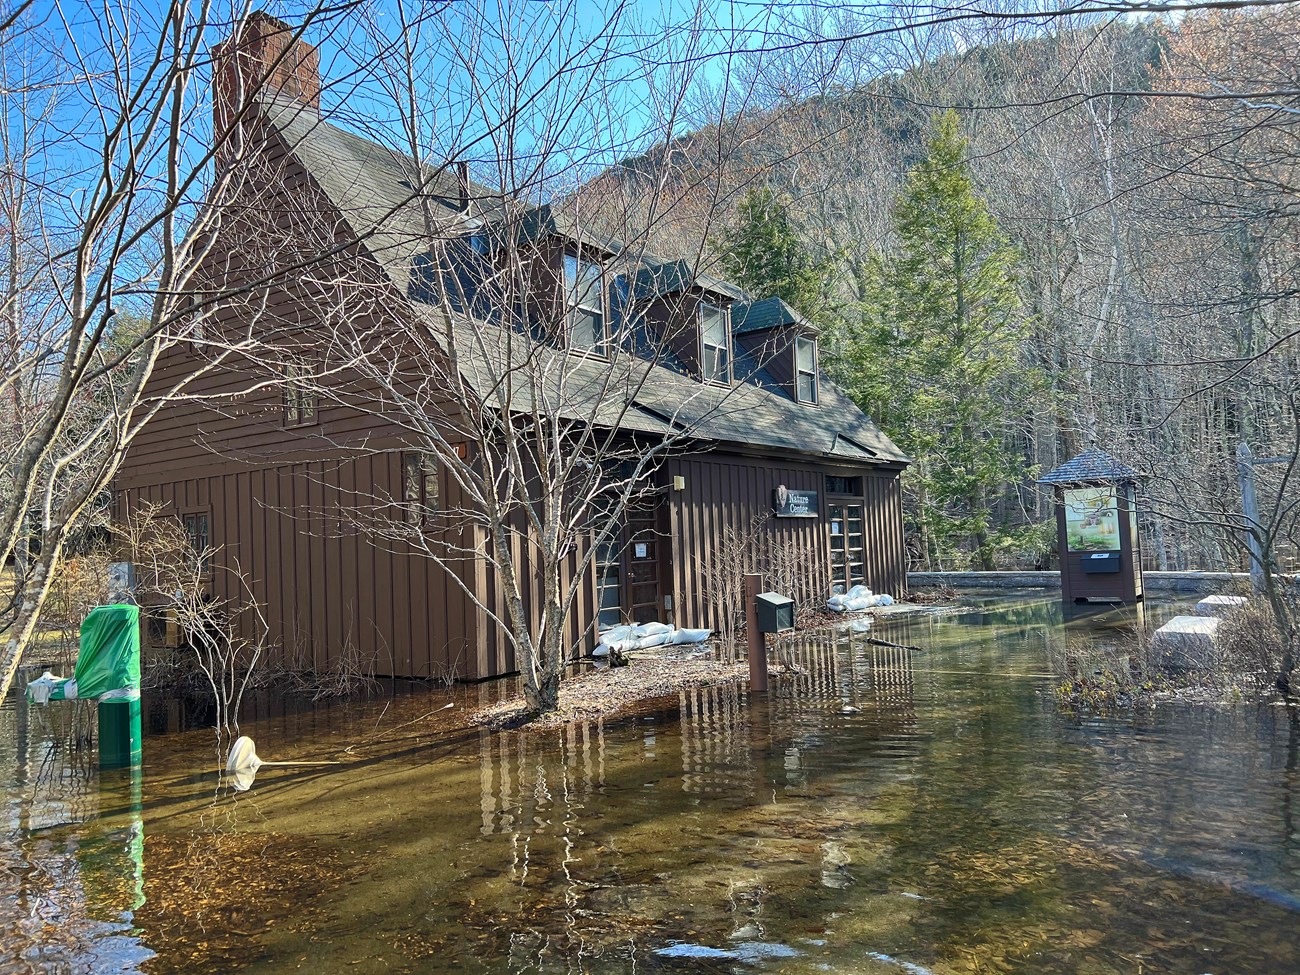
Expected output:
(510, 337)
(173, 582)
(109, 210)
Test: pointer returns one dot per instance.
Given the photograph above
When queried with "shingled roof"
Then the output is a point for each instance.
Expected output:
(657, 278)
(1091, 467)
(758, 316)
(372, 187)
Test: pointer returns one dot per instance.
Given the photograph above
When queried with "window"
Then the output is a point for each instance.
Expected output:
(419, 487)
(843, 485)
(715, 339)
(196, 533)
(805, 355)
(299, 403)
(584, 299)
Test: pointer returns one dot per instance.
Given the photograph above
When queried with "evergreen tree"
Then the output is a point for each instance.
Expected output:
(765, 256)
(939, 363)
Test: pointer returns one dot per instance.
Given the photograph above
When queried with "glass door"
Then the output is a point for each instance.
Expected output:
(643, 564)
(848, 551)
(609, 583)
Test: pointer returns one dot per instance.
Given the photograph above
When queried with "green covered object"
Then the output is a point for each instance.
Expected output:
(110, 651)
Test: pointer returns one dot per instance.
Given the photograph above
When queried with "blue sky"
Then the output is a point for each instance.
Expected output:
(625, 62)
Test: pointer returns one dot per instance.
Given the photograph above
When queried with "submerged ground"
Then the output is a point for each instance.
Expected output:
(887, 811)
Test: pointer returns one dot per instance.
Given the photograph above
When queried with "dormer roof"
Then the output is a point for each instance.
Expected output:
(767, 313)
(372, 188)
(541, 223)
(655, 279)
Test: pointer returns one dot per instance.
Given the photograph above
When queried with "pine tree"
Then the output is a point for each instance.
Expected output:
(765, 256)
(939, 362)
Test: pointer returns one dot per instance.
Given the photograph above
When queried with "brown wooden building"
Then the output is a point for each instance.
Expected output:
(271, 478)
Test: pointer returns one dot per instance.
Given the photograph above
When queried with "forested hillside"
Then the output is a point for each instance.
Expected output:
(1129, 215)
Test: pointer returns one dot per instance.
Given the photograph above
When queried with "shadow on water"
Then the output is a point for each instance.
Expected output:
(881, 810)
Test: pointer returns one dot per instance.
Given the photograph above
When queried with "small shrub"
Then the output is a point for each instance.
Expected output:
(1250, 642)
(1120, 671)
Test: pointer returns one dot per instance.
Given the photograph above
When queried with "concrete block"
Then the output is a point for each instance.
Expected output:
(1187, 642)
(1219, 605)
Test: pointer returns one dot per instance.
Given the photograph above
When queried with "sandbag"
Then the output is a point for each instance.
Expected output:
(856, 599)
(653, 640)
(690, 636)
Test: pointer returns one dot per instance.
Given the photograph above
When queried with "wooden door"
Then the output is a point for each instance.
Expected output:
(642, 560)
(848, 549)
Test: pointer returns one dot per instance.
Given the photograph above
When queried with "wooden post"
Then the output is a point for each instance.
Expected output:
(1250, 512)
(757, 645)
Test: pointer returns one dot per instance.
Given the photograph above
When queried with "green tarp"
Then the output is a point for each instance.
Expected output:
(110, 651)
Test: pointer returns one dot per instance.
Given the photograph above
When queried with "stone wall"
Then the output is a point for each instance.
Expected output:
(1152, 581)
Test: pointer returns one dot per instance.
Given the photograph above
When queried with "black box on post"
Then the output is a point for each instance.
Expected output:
(775, 612)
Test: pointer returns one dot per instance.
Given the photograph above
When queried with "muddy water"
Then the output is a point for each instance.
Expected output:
(886, 811)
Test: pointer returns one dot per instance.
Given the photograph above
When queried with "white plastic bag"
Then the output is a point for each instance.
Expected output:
(690, 636)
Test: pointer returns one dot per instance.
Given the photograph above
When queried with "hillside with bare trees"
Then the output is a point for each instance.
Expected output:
(1145, 176)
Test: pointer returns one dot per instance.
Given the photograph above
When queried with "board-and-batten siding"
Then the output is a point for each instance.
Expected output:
(325, 586)
(724, 492)
(277, 508)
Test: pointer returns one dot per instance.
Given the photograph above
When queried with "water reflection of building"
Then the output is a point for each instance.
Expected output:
(839, 679)
(522, 778)
(844, 669)
(716, 736)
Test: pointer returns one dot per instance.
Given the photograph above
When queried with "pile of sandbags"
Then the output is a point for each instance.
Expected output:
(858, 598)
(621, 639)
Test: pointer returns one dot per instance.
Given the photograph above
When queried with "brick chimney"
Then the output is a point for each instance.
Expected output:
(266, 58)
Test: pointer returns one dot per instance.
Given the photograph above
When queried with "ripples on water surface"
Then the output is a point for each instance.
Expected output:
(885, 811)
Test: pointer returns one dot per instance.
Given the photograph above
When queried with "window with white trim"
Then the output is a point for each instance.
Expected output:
(196, 533)
(420, 486)
(299, 401)
(805, 358)
(715, 342)
(584, 299)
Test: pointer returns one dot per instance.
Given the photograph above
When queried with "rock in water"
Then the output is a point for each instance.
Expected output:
(1187, 642)
(1220, 605)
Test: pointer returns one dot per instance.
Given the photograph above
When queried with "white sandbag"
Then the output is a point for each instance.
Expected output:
(618, 633)
(835, 604)
(858, 592)
(690, 636)
(651, 629)
(623, 639)
(654, 640)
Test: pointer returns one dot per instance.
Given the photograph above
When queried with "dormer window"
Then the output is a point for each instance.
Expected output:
(584, 297)
(715, 342)
(805, 359)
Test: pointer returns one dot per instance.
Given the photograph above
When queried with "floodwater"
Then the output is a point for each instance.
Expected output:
(886, 811)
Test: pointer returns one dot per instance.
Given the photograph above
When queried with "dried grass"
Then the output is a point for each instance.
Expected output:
(603, 693)
(1250, 642)
(349, 675)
